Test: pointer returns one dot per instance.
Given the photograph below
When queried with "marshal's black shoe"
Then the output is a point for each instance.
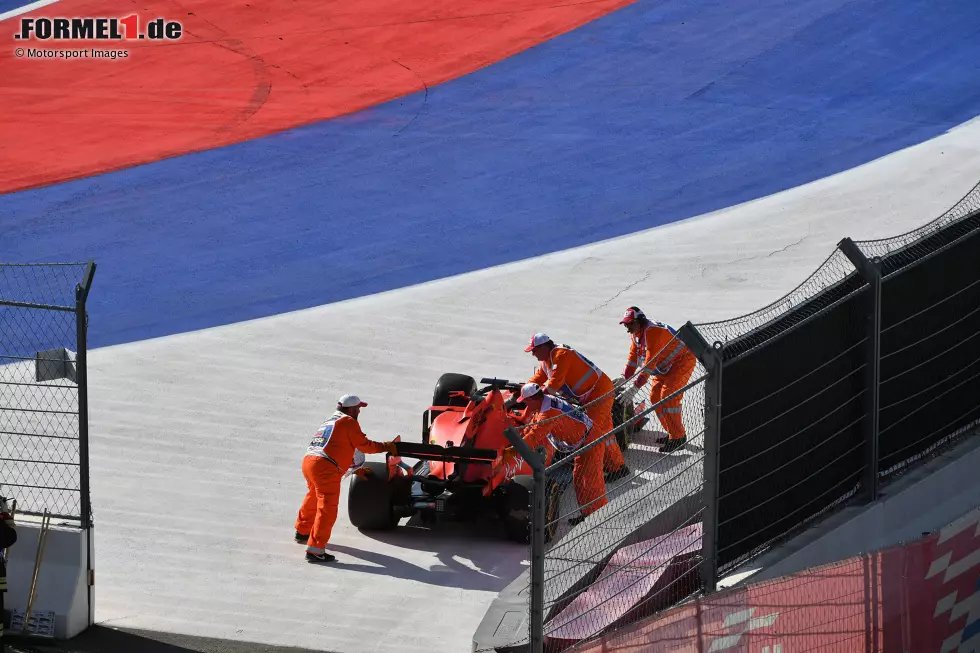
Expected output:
(319, 557)
(302, 539)
(622, 472)
(673, 445)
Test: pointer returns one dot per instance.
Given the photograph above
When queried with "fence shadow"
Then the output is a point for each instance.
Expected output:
(102, 639)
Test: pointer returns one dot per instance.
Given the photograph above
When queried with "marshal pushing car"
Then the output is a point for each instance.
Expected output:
(458, 474)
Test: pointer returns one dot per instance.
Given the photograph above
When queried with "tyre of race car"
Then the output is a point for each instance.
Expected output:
(369, 500)
(516, 508)
(623, 411)
(452, 382)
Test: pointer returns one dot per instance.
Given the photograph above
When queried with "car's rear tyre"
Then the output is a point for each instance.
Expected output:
(369, 501)
(623, 411)
(515, 510)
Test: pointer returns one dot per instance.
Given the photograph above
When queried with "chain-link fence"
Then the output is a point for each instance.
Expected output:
(637, 550)
(915, 244)
(789, 412)
(618, 530)
(43, 390)
(917, 596)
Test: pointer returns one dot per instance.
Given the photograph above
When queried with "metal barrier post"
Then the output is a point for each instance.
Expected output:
(81, 378)
(870, 271)
(711, 358)
(538, 517)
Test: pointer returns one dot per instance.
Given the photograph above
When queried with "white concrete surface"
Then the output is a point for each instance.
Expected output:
(197, 438)
(62, 576)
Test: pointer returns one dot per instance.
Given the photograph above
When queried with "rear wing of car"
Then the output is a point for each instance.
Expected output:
(446, 454)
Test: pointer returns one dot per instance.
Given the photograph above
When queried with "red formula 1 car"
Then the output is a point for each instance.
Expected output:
(458, 474)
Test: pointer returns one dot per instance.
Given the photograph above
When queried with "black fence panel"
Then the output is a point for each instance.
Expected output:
(930, 346)
(791, 430)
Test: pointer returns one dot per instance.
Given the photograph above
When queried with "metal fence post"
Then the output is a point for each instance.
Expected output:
(712, 359)
(870, 271)
(538, 517)
(81, 378)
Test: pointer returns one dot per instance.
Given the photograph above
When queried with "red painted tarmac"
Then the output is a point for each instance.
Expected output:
(241, 70)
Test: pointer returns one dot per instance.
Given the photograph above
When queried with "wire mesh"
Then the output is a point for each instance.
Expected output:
(40, 430)
(820, 609)
(910, 244)
(833, 280)
(44, 284)
(624, 513)
(894, 599)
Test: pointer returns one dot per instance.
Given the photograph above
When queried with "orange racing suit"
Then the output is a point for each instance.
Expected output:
(574, 376)
(658, 350)
(329, 455)
(562, 426)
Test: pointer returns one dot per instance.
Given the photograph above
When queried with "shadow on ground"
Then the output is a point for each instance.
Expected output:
(100, 639)
(487, 562)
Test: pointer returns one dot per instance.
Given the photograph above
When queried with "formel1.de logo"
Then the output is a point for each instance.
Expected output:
(97, 29)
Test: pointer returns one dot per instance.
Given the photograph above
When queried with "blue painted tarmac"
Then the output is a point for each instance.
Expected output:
(658, 112)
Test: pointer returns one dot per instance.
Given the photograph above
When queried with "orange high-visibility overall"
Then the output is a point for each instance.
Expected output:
(658, 351)
(558, 425)
(330, 453)
(561, 426)
(574, 376)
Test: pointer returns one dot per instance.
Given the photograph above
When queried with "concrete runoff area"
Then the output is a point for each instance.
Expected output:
(197, 438)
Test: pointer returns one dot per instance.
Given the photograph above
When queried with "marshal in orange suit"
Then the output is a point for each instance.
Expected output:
(329, 455)
(667, 362)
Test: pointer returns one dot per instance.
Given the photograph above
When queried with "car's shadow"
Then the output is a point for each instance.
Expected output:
(472, 555)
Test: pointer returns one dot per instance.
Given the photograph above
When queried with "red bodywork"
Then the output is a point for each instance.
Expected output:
(478, 425)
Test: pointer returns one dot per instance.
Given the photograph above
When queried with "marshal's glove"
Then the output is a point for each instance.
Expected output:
(390, 447)
(362, 473)
(631, 391)
(508, 456)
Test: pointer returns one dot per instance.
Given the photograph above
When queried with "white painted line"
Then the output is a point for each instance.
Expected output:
(960, 525)
(945, 604)
(25, 9)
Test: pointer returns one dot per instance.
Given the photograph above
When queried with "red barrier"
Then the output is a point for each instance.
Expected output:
(922, 597)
